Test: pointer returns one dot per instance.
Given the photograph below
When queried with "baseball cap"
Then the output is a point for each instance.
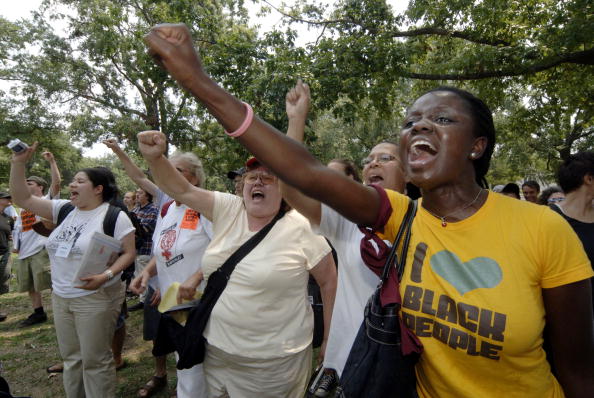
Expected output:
(38, 180)
(252, 163)
(5, 195)
(234, 173)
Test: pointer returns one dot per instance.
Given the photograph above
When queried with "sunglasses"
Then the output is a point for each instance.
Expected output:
(381, 158)
(555, 200)
(251, 177)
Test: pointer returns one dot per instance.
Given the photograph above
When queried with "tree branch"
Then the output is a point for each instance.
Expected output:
(580, 57)
(125, 75)
(427, 31)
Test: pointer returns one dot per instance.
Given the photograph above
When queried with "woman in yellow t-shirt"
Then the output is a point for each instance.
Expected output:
(483, 270)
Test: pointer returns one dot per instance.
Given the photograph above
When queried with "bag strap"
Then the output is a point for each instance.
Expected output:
(229, 265)
(405, 228)
(109, 222)
(64, 211)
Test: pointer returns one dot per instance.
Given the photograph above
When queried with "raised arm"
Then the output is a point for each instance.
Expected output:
(297, 106)
(18, 186)
(56, 183)
(152, 144)
(172, 45)
(134, 172)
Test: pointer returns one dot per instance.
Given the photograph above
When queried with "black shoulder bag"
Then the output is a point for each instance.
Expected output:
(188, 340)
(376, 366)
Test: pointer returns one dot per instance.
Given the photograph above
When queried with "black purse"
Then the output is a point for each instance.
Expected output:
(188, 340)
(376, 366)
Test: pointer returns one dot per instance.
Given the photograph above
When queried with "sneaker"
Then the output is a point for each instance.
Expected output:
(33, 319)
(327, 383)
(136, 307)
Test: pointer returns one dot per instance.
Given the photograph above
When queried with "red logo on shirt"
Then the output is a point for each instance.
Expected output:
(167, 241)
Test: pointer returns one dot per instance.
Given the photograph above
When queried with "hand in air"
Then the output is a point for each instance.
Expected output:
(152, 144)
(171, 46)
(112, 144)
(48, 156)
(297, 101)
(24, 156)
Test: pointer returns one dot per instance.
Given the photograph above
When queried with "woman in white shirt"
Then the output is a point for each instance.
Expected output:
(85, 311)
(260, 330)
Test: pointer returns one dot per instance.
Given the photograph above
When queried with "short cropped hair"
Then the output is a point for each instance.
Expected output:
(532, 184)
(572, 171)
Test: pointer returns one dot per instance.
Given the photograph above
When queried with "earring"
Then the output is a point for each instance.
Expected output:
(473, 155)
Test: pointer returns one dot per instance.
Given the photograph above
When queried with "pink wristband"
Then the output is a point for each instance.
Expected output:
(246, 122)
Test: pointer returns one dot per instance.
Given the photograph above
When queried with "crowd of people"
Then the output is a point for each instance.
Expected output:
(498, 290)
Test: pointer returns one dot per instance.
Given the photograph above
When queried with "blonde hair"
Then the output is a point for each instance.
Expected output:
(195, 165)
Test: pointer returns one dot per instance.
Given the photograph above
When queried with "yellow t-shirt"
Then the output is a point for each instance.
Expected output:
(471, 291)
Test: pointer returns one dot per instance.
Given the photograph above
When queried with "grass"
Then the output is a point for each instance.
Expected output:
(26, 353)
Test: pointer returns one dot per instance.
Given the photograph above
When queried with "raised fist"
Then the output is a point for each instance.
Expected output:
(171, 46)
(297, 101)
(152, 144)
(111, 143)
(48, 156)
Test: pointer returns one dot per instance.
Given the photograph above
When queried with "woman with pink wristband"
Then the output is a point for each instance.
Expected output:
(484, 274)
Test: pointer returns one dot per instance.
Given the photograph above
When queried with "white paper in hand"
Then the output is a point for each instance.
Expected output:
(103, 250)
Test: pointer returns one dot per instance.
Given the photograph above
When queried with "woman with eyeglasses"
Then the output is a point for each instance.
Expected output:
(356, 282)
(485, 273)
(260, 331)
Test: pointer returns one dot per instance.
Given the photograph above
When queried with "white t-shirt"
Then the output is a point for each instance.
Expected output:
(77, 229)
(159, 199)
(179, 244)
(264, 311)
(356, 283)
(27, 241)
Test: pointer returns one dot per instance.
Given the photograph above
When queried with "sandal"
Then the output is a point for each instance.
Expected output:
(55, 368)
(155, 384)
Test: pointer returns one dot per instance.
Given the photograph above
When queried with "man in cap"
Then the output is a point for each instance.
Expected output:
(32, 267)
(235, 176)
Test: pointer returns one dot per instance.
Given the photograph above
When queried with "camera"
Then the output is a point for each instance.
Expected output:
(17, 145)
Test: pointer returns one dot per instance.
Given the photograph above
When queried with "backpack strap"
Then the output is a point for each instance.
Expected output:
(64, 211)
(165, 208)
(111, 217)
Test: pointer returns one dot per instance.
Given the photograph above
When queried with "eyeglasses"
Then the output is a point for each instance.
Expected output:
(555, 200)
(380, 158)
(251, 177)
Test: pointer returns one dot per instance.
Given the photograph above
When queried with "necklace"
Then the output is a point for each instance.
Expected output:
(466, 206)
